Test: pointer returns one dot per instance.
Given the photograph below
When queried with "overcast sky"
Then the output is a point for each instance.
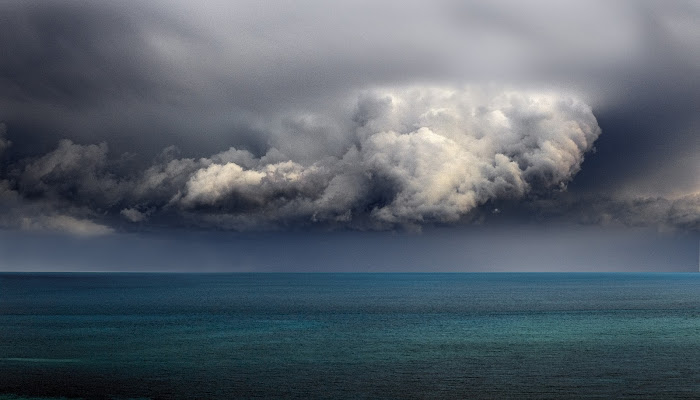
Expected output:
(350, 135)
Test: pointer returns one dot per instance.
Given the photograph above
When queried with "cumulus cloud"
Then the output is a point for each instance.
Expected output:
(414, 156)
(74, 172)
(207, 77)
(422, 155)
(41, 215)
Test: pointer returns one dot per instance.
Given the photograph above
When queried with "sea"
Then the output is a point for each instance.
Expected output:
(350, 336)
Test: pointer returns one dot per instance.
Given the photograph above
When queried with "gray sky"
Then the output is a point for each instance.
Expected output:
(281, 137)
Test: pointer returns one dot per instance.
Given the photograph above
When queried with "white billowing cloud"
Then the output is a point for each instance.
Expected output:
(421, 155)
(413, 156)
(217, 181)
(450, 150)
(438, 179)
(64, 224)
(216, 74)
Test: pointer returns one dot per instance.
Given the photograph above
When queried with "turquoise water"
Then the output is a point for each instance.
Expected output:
(350, 336)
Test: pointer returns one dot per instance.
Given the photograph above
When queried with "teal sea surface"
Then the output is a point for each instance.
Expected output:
(373, 336)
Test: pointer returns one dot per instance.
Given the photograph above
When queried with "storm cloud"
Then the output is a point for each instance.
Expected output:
(360, 115)
(418, 155)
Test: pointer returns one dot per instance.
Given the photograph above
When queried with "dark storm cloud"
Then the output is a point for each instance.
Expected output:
(422, 155)
(91, 94)
(664, 214)
(91, 72)
(72, 55)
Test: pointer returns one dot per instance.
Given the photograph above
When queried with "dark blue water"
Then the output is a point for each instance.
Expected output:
(350, 336)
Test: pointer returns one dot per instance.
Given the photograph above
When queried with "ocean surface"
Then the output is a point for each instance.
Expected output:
(373, 336)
